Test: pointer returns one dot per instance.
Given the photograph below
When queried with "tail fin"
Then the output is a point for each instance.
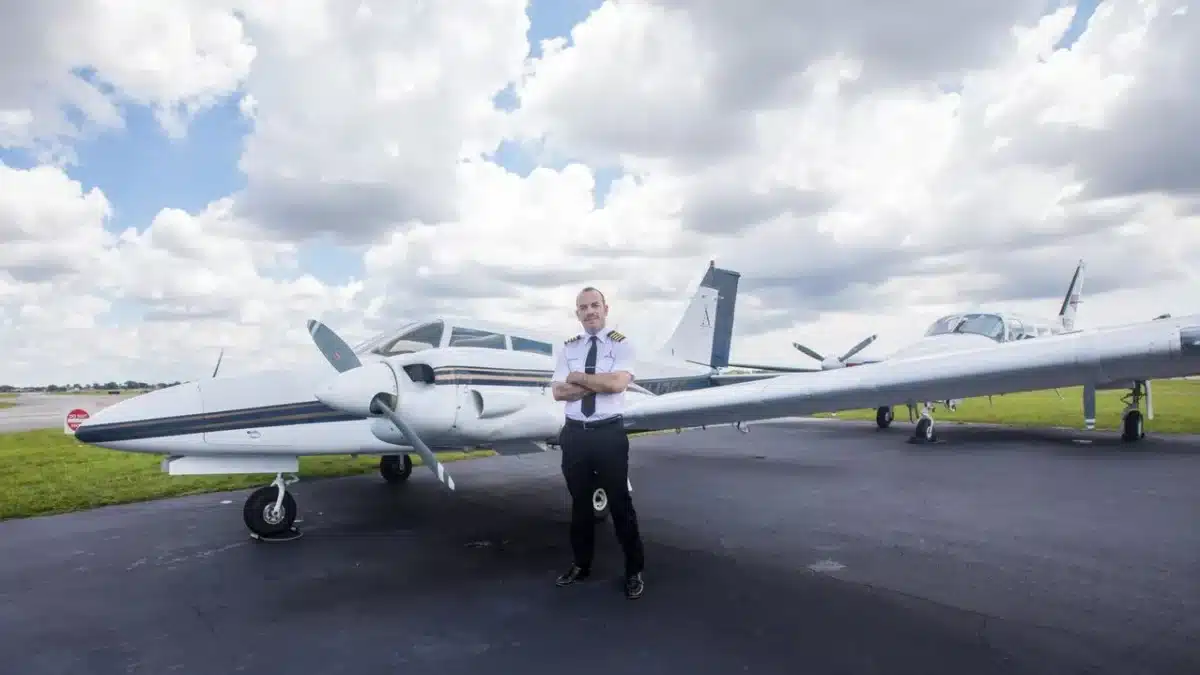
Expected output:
(1070, 304)
(705, 332)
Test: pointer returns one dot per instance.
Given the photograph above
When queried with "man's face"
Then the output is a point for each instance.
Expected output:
(591, 310)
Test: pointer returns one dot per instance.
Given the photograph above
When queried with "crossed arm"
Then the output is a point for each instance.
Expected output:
(572, 386)
(579, 385)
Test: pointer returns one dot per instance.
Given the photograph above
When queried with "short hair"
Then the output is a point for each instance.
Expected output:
(585, 289)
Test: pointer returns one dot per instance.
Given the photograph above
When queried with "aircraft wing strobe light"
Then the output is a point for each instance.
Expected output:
(373, 390)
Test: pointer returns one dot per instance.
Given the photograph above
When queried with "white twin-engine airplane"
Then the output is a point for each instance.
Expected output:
(431, 385)
(1103, 358)
(970, 330)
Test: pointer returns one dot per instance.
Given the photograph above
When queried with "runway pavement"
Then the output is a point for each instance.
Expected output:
(37, 410)
(798, 548)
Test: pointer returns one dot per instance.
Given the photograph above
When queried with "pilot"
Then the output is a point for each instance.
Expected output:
(594, 367)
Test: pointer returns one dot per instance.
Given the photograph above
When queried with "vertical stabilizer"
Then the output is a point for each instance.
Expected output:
(1070, 304)
(705, 332)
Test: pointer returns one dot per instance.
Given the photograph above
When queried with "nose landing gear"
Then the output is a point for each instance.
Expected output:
(270, 512)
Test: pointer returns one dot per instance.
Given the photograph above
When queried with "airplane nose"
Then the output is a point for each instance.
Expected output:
(135, 423)
(353, 390)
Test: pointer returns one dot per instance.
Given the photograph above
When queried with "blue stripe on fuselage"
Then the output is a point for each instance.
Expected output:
(315, 412)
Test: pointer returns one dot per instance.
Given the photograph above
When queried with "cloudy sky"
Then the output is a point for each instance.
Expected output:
(184, 175)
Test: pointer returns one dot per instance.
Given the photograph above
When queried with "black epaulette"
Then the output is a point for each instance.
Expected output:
(616, 336)
(576, 338)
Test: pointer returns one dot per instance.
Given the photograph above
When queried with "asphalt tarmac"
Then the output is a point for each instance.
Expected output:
(798, 548)
(37, 410)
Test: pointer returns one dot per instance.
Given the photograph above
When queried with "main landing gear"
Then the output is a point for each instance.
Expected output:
(395, 468)
(884, 416)
(923, 433)
(1132, 427)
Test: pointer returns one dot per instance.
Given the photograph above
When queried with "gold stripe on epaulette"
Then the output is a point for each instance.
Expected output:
(616, 337)
(576, 338)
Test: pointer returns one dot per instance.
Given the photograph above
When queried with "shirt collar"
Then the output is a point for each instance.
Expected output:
(601, 337)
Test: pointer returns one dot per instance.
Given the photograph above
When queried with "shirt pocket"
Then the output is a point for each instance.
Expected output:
(605, 363)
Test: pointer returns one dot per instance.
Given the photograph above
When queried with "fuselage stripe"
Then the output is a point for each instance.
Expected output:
(313, 411)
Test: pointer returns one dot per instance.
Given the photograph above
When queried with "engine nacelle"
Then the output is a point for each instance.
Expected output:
(493, 404)
(354, 391)
(431, 412)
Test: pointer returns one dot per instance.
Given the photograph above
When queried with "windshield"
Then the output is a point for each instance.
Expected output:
(987, 325)
(372, 344)
(410, 338)
(944, 325)
(365, 346)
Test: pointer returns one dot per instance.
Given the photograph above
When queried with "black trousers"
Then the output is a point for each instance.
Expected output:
(599, 457)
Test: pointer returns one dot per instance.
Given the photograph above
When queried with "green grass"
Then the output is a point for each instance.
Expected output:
(1176, 409)
(46, 471)
(6, 404)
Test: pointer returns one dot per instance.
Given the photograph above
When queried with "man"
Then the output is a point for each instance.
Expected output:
(593, 370)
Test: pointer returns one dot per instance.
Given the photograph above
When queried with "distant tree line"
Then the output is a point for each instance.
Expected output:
(95, 386)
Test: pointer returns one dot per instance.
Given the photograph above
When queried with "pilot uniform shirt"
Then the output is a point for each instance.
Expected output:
(613, 353)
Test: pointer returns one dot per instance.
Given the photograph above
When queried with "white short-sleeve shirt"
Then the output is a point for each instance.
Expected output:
(613, 352)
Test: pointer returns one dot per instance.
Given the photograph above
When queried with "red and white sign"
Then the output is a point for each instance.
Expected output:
(75, 418)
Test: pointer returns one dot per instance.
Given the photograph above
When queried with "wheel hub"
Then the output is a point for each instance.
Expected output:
(272, 515)
(599, 499)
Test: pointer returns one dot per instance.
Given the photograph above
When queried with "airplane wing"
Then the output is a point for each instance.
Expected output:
(1133, 352)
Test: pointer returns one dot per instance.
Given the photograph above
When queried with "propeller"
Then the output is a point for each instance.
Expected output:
(838, 362)
(219, 357)
(353, 380)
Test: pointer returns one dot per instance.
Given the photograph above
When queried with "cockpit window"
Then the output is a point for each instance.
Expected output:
(422, 336)
(944, 325)
(521, 344)
(469, 337)
(988, 325)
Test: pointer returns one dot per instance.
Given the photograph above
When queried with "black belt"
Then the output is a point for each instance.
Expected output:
(594, 424)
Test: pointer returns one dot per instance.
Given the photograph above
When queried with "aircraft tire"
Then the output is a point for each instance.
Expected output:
(924, 431)
(1132, 427)
(883, 416)
(258, 520)
(395, 468)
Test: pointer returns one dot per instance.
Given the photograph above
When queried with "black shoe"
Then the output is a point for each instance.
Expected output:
(576, 573)
(634, 586)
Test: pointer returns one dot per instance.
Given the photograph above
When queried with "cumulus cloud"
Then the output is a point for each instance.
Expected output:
(865, 167)
(178, 57)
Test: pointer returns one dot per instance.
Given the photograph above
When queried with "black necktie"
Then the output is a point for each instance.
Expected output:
(589, 367)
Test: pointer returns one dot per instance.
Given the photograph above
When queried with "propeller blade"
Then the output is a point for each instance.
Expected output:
(334, 348)
(423, 450)
(1089, 406)
(808, 351)
(858, 348)
(219, 357)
